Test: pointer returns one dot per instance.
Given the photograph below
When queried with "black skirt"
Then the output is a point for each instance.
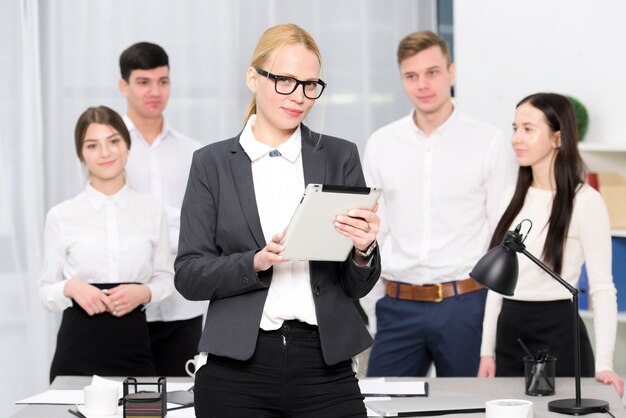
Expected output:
(102, 344)
(540, 325)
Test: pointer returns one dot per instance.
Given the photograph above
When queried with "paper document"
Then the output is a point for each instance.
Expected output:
(76, 397)
(383, 387)
(56, 397)
(68, 397)
(371, 412)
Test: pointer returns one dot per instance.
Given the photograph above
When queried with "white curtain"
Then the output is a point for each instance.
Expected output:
(59, 57)
(27, 331)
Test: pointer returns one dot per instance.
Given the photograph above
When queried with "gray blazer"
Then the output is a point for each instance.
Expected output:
(220, 231)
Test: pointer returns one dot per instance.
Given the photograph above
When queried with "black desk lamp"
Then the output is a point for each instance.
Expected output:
(498, 270)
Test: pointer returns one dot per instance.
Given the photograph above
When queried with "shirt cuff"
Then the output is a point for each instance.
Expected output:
(368, 264)
(55, 298)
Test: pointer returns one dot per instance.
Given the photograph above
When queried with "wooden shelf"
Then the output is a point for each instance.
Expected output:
(601, 147)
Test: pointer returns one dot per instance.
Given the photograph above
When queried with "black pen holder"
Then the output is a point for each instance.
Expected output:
(539, 376)
(145, 399)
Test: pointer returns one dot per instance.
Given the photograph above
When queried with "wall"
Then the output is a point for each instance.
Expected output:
(506, 50)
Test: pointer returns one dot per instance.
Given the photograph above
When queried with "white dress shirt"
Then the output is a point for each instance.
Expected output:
(278, 187)
(161, 169)
(440, 198)
(106, 239)
(587, 242)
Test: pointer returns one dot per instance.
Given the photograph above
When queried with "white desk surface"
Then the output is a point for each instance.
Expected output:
(495, 388)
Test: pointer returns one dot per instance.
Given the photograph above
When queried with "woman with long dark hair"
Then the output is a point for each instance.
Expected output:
(551, 192)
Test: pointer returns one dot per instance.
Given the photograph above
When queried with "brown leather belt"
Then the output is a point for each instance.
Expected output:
(431, 292)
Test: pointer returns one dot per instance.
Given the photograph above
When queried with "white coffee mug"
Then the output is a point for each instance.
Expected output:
(100, 399)
(189, 363)
(509, 408)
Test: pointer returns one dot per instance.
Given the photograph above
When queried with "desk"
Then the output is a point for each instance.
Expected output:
(71, 382)
(513, 387)
(496, 388)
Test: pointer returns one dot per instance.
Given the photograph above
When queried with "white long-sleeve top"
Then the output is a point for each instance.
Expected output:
(588, 241)
(106, 239)
(440, 201)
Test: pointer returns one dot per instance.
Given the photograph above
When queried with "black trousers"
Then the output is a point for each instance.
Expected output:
(286, 377)
(173, 343)
(540, 325)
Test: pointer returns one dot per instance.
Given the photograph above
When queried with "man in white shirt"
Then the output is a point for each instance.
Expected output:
(159, 165)
(442, 175)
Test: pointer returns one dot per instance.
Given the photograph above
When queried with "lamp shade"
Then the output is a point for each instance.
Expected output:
(497, 270)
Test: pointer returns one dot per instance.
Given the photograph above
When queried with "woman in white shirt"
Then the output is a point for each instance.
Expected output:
(106, 257)
(551, 192)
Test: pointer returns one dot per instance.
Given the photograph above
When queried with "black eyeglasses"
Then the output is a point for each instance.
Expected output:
(287, 85)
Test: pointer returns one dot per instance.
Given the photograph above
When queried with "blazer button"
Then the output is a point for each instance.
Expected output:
(244, 279)
(317, 290)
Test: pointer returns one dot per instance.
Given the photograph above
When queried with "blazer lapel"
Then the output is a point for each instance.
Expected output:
(241, 171)
(314, 166)
(313, 157)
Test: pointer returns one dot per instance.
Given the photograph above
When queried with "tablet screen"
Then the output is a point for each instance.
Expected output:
(311, 233)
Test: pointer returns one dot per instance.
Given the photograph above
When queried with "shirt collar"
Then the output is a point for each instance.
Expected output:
(441, 128)
(134, 131)
(97, 198)
(289, 149)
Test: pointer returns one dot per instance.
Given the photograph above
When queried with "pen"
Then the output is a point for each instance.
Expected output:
(536, 370)
(519, 340)
(77, 413)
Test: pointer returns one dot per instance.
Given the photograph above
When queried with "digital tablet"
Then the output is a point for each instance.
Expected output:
(311, 233)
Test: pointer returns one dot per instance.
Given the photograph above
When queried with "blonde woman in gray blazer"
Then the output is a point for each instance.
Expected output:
(279, 335)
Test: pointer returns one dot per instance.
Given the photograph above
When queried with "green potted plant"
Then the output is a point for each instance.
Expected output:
(582, 117)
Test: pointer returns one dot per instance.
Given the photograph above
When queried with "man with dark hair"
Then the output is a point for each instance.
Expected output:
(159, 165)
(442, 175)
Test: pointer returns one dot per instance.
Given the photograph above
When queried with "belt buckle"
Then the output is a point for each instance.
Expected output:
(439, 292)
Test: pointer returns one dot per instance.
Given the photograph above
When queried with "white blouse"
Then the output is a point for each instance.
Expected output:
(106, 239)
(278, 187)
